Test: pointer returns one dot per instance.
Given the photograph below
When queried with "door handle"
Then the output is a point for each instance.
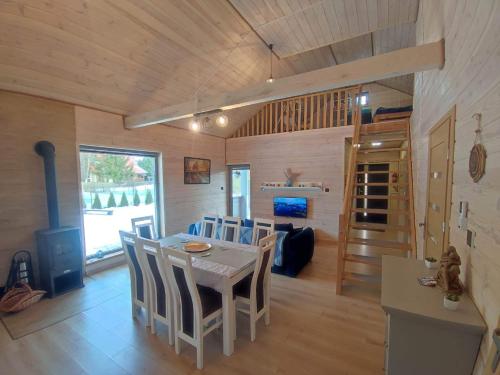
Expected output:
(421, 225)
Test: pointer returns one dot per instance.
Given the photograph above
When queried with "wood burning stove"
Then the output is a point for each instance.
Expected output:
(60, 256)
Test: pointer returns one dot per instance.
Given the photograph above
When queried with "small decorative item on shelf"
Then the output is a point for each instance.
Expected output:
(451, 301)
(431, 263)
(290, 177)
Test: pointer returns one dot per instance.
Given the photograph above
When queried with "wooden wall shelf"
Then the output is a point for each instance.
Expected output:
(292, 188)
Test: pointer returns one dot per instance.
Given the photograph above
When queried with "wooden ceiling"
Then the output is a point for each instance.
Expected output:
(378, 42)
(131, 56)
(297, 26)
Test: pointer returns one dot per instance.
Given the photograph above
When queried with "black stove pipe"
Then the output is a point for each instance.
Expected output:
(47, 151)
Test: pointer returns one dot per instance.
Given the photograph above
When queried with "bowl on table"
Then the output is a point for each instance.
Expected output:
(196, 247)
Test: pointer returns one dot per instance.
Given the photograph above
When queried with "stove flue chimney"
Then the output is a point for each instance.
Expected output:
(47, 151)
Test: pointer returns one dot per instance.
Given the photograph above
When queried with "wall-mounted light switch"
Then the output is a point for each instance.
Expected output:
(471, 239)
(463, 213)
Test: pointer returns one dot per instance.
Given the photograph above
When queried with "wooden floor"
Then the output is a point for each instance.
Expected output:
(312, 331)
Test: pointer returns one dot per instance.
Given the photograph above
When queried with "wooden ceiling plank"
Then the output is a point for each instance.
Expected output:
(331, 16)
(393, 64)
(352, 17)
(372, 14)
(383, 13)
(342, 18)
(362, 11)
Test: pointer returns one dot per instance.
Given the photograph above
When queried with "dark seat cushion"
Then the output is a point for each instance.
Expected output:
(211, 300)
(242, 288)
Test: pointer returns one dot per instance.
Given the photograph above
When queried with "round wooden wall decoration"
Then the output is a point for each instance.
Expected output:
(477, 162)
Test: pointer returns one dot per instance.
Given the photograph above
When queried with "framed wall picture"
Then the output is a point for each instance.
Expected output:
(196, 171)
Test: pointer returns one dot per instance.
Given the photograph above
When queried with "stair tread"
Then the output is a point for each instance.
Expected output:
(379, 183)
(375, 261)
(380, 210)
(381, 149)
(379, 172)
(375, 226)
(380, 161)
(392, 196)
(359, 278)
(380, 243)
(365, 138)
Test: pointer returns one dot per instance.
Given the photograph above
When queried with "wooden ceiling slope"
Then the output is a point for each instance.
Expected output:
(388, 65)
(297, 26)
(378, 42)
(130, 55)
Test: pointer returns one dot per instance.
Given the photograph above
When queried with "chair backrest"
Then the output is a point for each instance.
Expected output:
(262, 270)
(209, 226)
(152, 263)
(180, 275)
(144, 227)
(261, 228)
(231, 229)
(129, 241)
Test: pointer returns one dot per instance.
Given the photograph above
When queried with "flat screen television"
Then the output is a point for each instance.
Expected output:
(290, 206)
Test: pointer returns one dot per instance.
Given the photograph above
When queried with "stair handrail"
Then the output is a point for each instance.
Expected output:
(345, 215)
(409, 168)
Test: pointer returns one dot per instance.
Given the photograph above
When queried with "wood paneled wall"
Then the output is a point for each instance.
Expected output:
(471, 80)
(318, 155)
(183, 204)
(24, 120)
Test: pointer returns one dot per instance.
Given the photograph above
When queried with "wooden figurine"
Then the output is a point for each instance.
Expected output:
(449, 271)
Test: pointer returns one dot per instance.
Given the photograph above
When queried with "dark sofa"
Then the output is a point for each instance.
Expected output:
(298, 250)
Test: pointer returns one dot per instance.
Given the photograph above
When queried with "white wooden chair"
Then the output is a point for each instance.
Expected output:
(261, 228)
(197, 309)
(253, 292)
(138, 281)
(209, 226)
(145, 227)
(160, 294)
(231, 229)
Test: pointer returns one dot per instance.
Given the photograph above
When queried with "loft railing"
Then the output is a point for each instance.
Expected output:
(326, 109)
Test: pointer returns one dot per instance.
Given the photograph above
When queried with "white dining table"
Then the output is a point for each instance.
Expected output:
(226, 264)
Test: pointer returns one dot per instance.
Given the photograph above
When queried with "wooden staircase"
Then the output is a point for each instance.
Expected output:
(378, 213)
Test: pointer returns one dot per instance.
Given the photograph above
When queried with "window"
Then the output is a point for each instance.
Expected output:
(117, 185)
(362, 99)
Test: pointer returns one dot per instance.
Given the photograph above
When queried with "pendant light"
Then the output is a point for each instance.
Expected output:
(270, 79)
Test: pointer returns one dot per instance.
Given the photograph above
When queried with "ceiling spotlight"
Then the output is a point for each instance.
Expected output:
(195, 125)
(221, 121)
(376, 144)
